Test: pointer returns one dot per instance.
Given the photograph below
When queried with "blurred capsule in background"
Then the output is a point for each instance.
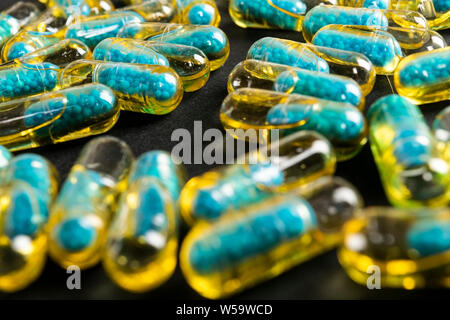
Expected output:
(437, 12)
(26, 196)
(142, 242)
(283, 165)
(341, 123)
(82, 7)
(211, 40)
(190, 63)
(441, 131)
(153, 10)
(409, 246)
(81, 214)
(424, 77)
(261, 241)
(413, 169)
(138, 87)
(372, 4)
(315, 58)
(204, 12)
(56, 117)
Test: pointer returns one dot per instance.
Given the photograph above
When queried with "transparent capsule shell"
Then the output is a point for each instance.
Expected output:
(139, 88)
(54, 21)
(283, 165)
(372, 4)
(82, 211)
(82, 7)
(211, 40)
(153, 10)
(437, 12)
(190, 63)
(201, 12)
(56, 117)
(315, 58)
(341, 123)
(259, 242)
(27, 42)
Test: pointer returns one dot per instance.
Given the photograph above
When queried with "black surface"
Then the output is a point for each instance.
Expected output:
(320, 278)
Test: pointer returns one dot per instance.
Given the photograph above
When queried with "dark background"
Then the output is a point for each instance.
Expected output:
(319, 278)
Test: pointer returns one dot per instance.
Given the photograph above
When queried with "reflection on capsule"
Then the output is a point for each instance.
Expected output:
(153, 10)
(437, 12)
(413, 170)
(315, 58)
(203, 12)
(262, 241)
(53, 21)
(424, 77)
(190, 63)
(56, 117)
(138, 87)
(282, 78)
(16, 16)
(26, 42)
(409, 247)
(82, 211)
(342, 124)
(211, 40)
(294, 160)
(141, 247)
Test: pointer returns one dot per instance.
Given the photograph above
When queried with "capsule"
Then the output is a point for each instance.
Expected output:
(203, 12)
(413, 170)
(409, 246)
(92, 30)
(138, 87)
(315, 58)
(53, 21)
(424, 77)
(55, 117)
(441, 131)
(15, 17)
(282, 78)
(20, 79)
(437, 12)
(321, 16)
(285, 164)
(190, 63)
(25, 200)
(371, 4)
(82, 7)
(379, 46)
(82, 211)
(211, 40)
(26, 42)
(141, 247)
(262, 241)
(153, 10)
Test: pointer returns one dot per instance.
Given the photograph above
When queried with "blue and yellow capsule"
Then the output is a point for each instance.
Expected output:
(92, 30)
(153, 10)
(437, 12)
(263, 110)
(15, 17)
(190, 63)
(412, 167)
(424, 77)
(142, 242)
(211, 40)
(262, 241)
(315, 58)
(203, 12)
(410, 247)
(292, 161)
(26, 42)
(138, 87)
(81, 214)
(282, 78)
(82, 7)
(56, 117)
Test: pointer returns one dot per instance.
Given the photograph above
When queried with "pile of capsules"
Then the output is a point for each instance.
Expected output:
(82, 62)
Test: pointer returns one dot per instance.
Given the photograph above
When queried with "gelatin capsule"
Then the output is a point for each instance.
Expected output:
(82, 7)
(82, 211)
(25, 199)
(410, 247)
(379, 46)
(412, 169)
(315, 58)
(53, 21)
(341, 123)
(141, 247)
(138, 87)
(153, 10)
(211, 40)
(92, 30)
(424, 77)
(15, 17)
(282, 78)
(292, 161)
(262, 241)
(437, 12)
(204, 12)
(20, 79)
(190, 63)
(371, 4)
(321, 16)
(56, 117)
(26, 42)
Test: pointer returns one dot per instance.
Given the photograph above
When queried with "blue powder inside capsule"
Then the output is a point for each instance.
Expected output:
(202, 14)
(429, 237)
